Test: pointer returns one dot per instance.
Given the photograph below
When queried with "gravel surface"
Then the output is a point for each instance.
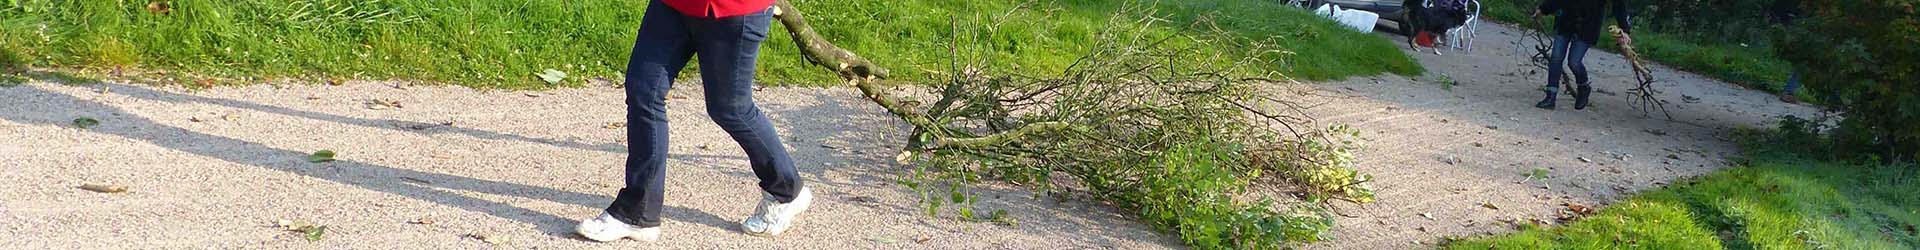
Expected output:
(451, 167)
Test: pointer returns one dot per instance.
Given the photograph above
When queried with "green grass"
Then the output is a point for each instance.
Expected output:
(1777, 200)
(503, 43)
(1753, 65)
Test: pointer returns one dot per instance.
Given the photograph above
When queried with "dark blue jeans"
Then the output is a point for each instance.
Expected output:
(1793, 83)
(1573, 53)
(727, 48)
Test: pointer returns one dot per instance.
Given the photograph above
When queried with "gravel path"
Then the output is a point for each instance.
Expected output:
(453, 167)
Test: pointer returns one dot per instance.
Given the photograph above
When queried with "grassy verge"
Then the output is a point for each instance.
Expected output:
(503, 44)
(1778, 200)
(1753, 65)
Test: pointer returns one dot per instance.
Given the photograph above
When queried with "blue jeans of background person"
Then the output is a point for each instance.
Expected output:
(727, 48)
(1793, 83)
(1573, 52)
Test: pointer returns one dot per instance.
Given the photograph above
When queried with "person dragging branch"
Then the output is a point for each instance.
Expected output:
(726, 35)
(1576, 27)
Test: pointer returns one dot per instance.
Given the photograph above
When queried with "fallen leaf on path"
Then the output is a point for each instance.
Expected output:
(321, 156)
(1489, 205)
(922, 240)
(311, 232)
(615, 125)
(85, 122)
(1429, 216)
(1580, 209)
(1538, 174)
(99, 188)
(415, 180)
(421, 221)
(1584, 159)
(379, 104)
(488, 239)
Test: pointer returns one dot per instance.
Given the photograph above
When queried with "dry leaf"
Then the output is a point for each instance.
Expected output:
(1580, 209)
(104, 188)
(160, 7)
(421, 221)
(488, 239)
(415, 180)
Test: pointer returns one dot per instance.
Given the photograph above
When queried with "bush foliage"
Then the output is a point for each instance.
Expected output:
(1861, 60)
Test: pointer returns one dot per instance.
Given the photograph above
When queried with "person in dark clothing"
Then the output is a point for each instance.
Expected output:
(1784, 13)
(1576, 28)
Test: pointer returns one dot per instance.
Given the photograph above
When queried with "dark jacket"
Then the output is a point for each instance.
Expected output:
(1582, 19)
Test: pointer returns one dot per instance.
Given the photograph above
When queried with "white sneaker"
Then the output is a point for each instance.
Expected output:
(773, 218)
(606, 228)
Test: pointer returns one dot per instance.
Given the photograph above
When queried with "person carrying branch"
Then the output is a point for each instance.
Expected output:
(726, 35)
(1576, 27)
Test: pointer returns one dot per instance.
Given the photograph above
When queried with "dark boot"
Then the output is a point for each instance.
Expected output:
(1580, 96)
(1546, 103)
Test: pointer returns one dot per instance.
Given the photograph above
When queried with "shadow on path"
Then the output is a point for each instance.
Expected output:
(34, 105)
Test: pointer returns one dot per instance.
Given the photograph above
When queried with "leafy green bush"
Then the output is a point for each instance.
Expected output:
(1867, 67)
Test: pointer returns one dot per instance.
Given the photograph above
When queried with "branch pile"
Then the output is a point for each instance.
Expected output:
(1149, 122)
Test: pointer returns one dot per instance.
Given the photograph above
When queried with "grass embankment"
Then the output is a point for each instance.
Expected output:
(1777, 199)
(504, 43)
(1751, 63)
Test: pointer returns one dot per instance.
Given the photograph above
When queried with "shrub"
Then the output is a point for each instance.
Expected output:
(1861, 61)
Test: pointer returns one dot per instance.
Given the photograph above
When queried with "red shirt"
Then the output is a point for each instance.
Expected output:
(719, 8)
